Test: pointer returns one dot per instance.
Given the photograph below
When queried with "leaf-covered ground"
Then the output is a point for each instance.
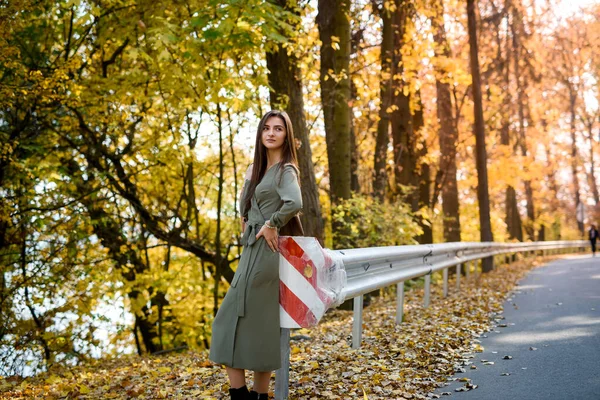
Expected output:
(395, 362)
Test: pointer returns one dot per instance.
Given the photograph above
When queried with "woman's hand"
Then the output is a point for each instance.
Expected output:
(271, 237)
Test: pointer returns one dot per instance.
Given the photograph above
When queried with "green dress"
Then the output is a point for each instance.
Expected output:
(245, 332)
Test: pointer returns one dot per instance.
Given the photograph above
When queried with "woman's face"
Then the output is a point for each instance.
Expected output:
(273, 134)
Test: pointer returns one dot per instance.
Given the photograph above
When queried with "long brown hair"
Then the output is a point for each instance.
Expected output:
(288, 155)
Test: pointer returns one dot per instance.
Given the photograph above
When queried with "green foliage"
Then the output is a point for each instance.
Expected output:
(117, 127)
(368, 223)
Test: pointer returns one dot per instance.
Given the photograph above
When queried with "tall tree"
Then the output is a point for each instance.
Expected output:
(380, 178)
(423, 182)
(285, 81)
(514, 224)
(480, 151)
(402, 124)
(411, 172)
(520, 56)
(447, 132)
(355, 43)
(573, 97)
(334, 32)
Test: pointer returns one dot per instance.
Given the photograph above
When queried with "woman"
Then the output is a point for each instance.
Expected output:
(245, 333)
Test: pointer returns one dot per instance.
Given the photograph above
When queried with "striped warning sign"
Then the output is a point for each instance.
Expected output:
(302, 302)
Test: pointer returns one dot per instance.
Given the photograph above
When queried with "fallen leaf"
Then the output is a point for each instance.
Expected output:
(407, 361)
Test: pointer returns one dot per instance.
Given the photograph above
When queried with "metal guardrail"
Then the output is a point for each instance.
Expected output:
(374, 268)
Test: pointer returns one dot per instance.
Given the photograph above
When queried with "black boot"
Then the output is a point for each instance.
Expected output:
(256, 396)
(240, 393)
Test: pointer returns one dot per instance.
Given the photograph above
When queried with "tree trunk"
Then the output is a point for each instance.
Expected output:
(334, 32)
(410, 171)
(542, 233)
(354, 157)
(448, 135)
(148, 330)
(218, 256)
(285, 81)
(404, 158)
(403, 132)
(514, 224)
(422, 175)
(592, 173)
(573, 131)
(380, 178)
(553, 203)
(425, 200)
(480, 150)
(521, 99)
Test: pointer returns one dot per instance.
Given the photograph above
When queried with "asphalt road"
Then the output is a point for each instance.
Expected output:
(552, 333)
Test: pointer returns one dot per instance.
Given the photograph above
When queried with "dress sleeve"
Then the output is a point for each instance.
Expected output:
(247, 177)
(288, 190)
(242, 197)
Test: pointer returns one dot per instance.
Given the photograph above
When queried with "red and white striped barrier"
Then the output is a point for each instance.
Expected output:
(311, 280)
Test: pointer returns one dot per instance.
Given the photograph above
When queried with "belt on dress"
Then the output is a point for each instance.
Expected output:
(248, 239)
(249, 236)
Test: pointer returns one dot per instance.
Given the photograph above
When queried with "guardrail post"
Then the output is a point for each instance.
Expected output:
(357, 323)
(427, 295)
(399, 302)
(445, 273)
(467, 270)
(457, 276)
(282, 375)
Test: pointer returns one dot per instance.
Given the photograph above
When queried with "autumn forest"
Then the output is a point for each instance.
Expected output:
(126, 128)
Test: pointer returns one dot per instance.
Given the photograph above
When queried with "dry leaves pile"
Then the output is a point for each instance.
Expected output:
(395, 362)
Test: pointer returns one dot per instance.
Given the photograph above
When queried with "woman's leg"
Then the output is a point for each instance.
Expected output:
(261, 381)
(237, 377)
